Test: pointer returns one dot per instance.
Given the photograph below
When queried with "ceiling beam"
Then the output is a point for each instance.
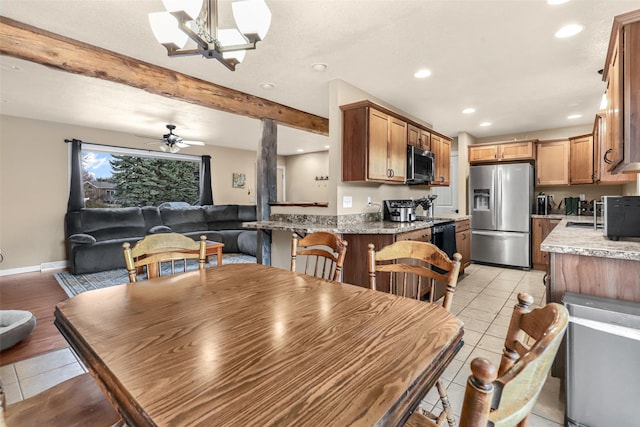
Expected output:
(33, 44)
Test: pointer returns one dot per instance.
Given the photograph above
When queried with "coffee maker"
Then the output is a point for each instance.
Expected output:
(542, 204)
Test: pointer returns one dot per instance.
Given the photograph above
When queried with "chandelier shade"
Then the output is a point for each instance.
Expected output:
(190, 27)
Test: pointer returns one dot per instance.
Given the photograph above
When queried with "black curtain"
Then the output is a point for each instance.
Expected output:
(76, 192)
(206, 193)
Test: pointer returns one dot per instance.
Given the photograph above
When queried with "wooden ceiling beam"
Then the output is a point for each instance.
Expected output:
(33, 44)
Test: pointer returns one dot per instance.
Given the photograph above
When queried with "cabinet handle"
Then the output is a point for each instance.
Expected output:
(392, 173)
(606, 153)
(442, 179)
(502, 155)
(464, 237)
(495, 156)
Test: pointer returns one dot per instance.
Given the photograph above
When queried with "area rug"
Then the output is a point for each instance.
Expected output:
(75, 284)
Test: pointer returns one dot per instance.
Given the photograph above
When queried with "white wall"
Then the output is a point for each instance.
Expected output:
(301, 173)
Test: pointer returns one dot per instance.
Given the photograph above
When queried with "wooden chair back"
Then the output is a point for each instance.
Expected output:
(324, 252)
(505, 397)
(532, 342)
(75, 402)
(409, 264)
(150, 253)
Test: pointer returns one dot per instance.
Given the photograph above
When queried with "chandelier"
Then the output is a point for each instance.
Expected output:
(197, 21)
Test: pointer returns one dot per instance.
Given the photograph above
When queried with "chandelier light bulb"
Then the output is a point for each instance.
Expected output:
(190, 7)
(166, 30)
(232, 37)
(252, 17)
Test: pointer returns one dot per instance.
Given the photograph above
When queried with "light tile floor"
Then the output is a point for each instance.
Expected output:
(484, 300)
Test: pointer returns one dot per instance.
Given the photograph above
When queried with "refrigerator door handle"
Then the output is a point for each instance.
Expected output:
(498, 192)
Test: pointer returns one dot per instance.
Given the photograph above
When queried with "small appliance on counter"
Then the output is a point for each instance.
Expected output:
(571, 205)
(399, 210)
(542, 204)
(621, 216)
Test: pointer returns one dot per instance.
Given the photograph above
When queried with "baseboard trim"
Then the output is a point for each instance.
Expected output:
(35, 268)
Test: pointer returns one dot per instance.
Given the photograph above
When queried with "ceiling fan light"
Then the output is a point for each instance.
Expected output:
(190, 7)
(232, 37)
(163, 148)
(166, 31)
(252, 17)
(174, 149)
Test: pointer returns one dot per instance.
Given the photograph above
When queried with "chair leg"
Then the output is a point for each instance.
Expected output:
(446, 406)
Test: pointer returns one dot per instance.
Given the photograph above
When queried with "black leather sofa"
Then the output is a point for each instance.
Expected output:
(95, 236)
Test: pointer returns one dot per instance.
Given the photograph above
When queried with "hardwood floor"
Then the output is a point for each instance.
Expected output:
(38, 293)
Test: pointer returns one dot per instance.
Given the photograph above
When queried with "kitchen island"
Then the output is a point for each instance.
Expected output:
(583, 260)
(358, 234)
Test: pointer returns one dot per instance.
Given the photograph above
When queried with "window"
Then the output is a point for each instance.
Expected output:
(121, 177)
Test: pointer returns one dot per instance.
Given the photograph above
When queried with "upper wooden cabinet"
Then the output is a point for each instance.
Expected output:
(418, 137)
(581, 155)
(441, 148)
(601, 175)
(622, 74)
(501, 152)
(552, 164)
(374, 145)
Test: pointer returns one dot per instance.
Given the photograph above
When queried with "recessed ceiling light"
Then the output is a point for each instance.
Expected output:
(10, 67)
(468, 110)
(556, 2)
(568, 31)
(319, 67)
(485, 124)
(574, 116)
(267, 86)
(300, 150)
(327, 146)
(421, 74)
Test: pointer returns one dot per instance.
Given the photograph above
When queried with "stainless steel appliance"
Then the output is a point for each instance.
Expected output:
(542, 205)
(399, 210)
(420, 165)
(603, 374)
(621, 216)
(500, 202)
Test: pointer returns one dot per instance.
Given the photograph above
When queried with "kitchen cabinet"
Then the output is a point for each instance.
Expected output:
(463, 242)
(541, 229)
(622, 74)
(581, 163)
(418, 137)
(601, 174)
(501, 152)
(374, 145)
(552, 162)
(441, 148)
(356, 270)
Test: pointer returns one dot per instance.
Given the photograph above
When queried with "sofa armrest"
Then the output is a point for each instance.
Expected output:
(160, 229)
(82, 239)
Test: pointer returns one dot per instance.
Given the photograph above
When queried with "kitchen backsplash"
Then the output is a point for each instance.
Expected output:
(591, 192)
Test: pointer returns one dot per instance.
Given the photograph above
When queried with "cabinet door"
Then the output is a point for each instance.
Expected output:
(600, 173)
(463, 246)
(483, 153)
(581, 154)
(397, 150)
(425, 140)
(378, 142)
(614, 147)
(552, 164)
(541, 229)
(516, 151)
(442, 150)
(413, 136)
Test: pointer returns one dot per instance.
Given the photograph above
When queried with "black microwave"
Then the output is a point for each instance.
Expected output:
(420, 165)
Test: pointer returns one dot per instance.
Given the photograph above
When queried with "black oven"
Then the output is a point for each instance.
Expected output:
(420, 165)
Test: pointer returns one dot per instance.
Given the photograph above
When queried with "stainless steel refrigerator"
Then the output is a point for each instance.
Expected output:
(500, 203)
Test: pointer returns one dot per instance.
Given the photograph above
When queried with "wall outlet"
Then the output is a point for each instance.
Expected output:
(551, 198)
(347, 202)
(368, 202)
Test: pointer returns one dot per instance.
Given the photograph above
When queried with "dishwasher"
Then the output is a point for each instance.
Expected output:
(603, 362)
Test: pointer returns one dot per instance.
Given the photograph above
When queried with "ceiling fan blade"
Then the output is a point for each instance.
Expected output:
(181, 144)
(184, 141)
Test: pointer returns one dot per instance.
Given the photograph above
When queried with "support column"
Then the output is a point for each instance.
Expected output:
(266, 192)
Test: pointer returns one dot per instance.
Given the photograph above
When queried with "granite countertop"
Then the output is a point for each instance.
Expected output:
(369, 227)
(589, 242)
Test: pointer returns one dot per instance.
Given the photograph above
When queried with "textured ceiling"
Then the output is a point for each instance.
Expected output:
(499, 57)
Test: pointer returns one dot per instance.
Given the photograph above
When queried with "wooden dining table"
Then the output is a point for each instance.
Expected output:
(247, 344)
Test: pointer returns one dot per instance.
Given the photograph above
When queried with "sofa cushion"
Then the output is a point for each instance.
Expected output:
(248, 242)
(220, 213)
(113, 223)
(85, 239)
(247, 213)
(183, 220)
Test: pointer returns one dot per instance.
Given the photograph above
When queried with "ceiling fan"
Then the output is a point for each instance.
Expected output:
(173, 143)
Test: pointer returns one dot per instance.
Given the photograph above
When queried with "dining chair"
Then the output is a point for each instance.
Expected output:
(150, 253)
(75, 402)
(410, 263)
(506, 397)
(324, 252)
